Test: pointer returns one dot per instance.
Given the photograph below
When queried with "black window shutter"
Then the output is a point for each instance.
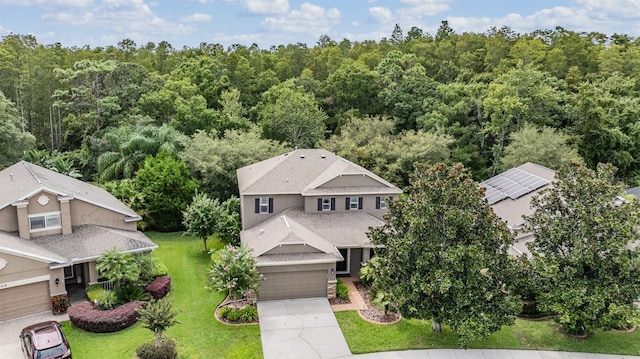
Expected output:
(257, 205)
(333, 204)
(319, 204)
(359, 202)
(270, 204)
(378, 202)
(347, 202)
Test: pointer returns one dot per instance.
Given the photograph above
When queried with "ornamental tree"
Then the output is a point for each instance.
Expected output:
(585, 248)
(445, 255)
(119, 268)
(158, 316)
(234, 270)
(206, 216)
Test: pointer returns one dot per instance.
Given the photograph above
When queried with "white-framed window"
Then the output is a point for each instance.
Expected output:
(264, 205)
(326, 204)
(383, 203)
(45, 221)
(353, 203)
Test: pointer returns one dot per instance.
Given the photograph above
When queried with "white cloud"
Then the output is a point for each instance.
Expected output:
(355, 23)
(28, 3)
(380, 15)
(311, 19)
(197, 17)
(263, 7)
(418, 8)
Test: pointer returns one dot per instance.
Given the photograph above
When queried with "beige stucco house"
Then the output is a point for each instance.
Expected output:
(305, 215)
(509, 194)
(52, 230)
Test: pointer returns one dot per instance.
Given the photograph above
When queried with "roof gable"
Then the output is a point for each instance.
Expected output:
(302, 171)
(23, 180)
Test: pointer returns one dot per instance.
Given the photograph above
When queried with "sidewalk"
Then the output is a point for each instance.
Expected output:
(357, 302)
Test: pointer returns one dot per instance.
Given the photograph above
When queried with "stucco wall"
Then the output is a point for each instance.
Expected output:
(87, 213)
(9, 219)
(352, 181)
(20, 268)
(280, 203)
(53, 205)
(368, 204)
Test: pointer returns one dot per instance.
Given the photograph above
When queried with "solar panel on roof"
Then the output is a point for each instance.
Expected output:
(513, 183)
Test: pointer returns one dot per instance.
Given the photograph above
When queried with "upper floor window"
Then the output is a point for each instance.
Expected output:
(264, 205)
(45, 221)
(353, 203)
(381, 203)
(326, 204)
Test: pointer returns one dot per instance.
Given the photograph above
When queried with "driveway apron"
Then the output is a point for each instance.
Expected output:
(300, 328)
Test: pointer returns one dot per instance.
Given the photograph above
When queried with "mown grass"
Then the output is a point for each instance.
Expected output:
(365, 337)
(199, 334)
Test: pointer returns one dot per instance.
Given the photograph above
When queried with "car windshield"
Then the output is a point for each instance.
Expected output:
(51, 352)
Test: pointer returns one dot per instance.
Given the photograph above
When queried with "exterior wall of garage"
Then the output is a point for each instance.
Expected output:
(25, 286)
(297, 281)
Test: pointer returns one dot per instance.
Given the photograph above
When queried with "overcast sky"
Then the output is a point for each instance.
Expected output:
(274, 22)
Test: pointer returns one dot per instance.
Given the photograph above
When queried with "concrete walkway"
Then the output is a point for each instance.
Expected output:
(300, 328)
(10, 330)
(357, 303)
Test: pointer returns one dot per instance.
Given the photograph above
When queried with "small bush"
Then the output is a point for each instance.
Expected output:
(160, 269)
(59, 304)
(94, 291)
(108, 300)
(130, 293)
(245, 315)
(159, 287)
(85, 316)
(342, 291)
(166, 350)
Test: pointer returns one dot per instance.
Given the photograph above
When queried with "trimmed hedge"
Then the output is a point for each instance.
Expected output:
(159, 287)
(85, 316)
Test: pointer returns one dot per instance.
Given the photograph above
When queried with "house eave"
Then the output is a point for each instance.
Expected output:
(296, 262)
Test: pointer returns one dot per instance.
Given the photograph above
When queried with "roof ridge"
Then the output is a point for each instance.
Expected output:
(35, 177)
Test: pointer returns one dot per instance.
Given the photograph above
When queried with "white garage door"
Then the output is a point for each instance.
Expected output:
(23, 300)
(287, 285)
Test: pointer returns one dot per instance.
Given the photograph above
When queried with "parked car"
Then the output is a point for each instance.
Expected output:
(45, 341)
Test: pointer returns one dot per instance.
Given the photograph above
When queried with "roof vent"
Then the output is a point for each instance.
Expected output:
(11, 176)
(323, 156)
(301, 156)
(261, 230)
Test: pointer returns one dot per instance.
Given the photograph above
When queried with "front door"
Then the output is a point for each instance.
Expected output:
(343, 267)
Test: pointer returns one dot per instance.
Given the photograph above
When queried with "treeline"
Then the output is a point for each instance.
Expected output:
(488, 100)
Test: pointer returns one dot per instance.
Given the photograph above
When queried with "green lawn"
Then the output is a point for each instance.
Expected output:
(199, 334)
(364, 337)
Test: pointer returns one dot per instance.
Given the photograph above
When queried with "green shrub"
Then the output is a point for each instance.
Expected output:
(160, 269)
(166, 350)
(342, 291)
(245, 315)
(94, 291)
(107, 300)
(130, 293)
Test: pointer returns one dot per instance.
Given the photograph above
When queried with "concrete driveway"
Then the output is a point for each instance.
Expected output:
(300, 328)
(10, 330)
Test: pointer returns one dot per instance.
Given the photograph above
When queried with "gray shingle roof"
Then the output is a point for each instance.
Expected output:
(300, 172)
(512, 210)
(634, 191)
(23, 179)
(88, 242)
(11, 243)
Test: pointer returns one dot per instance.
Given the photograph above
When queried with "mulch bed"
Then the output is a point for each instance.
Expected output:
(372, 313)
(228, 303)
(337, 300)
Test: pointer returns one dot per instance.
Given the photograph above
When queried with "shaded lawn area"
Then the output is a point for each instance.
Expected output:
(365, 337)
(199, 334)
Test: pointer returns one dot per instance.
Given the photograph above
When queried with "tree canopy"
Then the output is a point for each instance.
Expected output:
(586, 249)
(445, 255)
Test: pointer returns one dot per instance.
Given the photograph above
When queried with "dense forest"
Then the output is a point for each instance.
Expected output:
(489, 100)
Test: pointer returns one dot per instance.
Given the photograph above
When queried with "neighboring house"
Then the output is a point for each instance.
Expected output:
(52, 230)
(509, 194)
(305, 215)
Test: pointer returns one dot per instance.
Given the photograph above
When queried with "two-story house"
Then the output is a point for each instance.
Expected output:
(305, 215)
(52, 230)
